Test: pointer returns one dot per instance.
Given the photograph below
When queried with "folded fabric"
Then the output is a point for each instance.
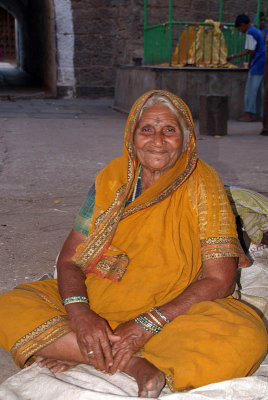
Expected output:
(252, 208)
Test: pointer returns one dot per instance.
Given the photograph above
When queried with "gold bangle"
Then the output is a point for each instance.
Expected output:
(155, 319)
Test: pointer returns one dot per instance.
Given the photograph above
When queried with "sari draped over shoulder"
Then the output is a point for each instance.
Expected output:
(189, 178)
(144, 253)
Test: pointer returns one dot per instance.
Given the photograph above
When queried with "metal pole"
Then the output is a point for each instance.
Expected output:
(170, 32)
(145, 33)
(220, 11)
(258, 13)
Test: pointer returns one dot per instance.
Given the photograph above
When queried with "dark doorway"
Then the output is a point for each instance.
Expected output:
(7, 38)
(27, 39)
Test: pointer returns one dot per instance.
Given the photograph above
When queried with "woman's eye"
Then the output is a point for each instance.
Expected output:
(169, 129)
(146, 130)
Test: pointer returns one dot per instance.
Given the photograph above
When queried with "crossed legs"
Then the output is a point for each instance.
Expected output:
(64, 353)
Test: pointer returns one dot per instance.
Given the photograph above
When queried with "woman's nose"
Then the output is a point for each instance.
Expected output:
(158, 138)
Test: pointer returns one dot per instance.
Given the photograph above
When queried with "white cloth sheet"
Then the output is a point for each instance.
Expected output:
(84, 383)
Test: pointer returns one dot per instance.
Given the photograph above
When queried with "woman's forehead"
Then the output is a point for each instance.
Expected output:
(158, 112)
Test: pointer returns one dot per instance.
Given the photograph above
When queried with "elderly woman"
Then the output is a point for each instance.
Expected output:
(146, 276)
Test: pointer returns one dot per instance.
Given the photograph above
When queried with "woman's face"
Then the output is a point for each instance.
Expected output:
(158, 139)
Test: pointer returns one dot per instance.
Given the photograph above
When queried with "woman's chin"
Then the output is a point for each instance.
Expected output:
(157, 165)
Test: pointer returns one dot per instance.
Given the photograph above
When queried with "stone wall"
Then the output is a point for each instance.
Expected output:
(188, 83)
(110, 32)
(107, 33)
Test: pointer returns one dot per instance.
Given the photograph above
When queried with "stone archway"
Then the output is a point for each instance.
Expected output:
(35, 39)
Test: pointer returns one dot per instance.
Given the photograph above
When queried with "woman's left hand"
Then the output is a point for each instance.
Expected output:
(133, 338)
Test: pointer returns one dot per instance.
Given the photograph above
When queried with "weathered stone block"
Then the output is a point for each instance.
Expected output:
(90, 3)
(95, 76)
(96, 13)
(102, 59)
(200, 5)
(120, 3)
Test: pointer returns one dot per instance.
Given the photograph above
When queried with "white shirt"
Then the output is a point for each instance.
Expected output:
(251, 42)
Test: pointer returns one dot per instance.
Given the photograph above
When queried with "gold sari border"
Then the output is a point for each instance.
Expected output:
(111, 267)
(88, 255)
(221, 247)
(170, 383)
(39, 338)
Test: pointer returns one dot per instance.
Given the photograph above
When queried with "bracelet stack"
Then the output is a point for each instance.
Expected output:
(75, 299)
(152, 325)
(161, 315)
(147, 324)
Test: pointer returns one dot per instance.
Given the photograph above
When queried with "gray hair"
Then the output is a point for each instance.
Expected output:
(161, 99)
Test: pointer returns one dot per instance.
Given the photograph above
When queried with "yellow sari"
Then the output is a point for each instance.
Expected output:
(143, 255)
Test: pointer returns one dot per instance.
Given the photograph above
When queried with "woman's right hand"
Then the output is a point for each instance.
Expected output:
(93, 332)
(93, 335)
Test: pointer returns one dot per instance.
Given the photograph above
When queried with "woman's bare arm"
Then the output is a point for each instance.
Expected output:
(218, 281)
(93, 332)
(71, 280)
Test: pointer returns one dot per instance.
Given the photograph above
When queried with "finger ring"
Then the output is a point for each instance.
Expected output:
(90, 352)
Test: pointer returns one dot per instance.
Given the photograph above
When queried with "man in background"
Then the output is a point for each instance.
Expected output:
(262, 27)
(255, 48)
(264, 131)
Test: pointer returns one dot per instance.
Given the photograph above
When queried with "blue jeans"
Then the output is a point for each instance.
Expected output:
(253, 94)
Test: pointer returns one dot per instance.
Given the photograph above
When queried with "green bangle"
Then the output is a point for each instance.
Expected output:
(75, 299)
(161, 315)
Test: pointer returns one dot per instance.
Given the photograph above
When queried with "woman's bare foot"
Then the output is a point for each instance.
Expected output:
(55, 365)
(149, 379)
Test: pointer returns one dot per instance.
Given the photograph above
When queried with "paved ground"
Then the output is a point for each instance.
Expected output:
(50, 150)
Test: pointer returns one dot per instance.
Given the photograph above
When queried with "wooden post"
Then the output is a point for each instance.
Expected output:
(213, 115)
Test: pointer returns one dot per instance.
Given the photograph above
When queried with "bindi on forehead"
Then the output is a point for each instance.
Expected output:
(158, 121)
